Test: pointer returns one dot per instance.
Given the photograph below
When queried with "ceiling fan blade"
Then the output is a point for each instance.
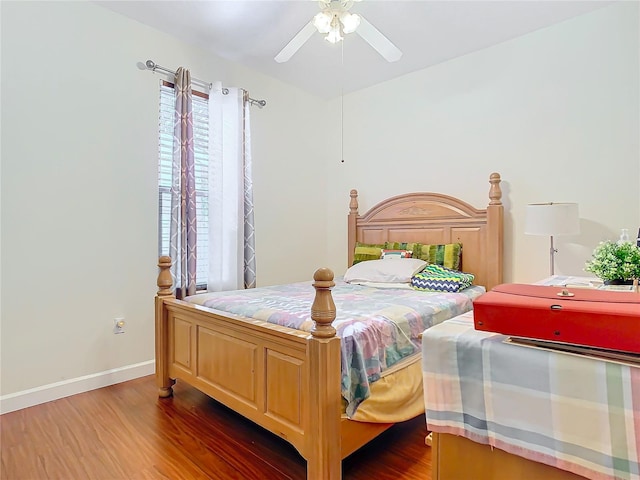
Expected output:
(295, 43)
(378, 41)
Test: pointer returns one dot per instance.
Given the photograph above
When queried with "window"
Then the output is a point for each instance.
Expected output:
(201, 146)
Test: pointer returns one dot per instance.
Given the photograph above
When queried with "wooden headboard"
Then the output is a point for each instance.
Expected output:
(435, 218)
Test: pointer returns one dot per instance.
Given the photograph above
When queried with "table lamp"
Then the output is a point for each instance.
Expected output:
(552, 219)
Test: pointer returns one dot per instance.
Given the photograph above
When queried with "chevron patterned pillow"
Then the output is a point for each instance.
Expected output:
(435, 278)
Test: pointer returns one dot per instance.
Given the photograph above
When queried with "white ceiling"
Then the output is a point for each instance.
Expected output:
(427, 32)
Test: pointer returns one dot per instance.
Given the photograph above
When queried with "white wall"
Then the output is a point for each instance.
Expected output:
(555, 112)
(79, 185)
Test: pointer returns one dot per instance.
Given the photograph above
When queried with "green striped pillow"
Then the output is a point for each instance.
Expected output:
(416, 248)
(447, 255)
(367, 251)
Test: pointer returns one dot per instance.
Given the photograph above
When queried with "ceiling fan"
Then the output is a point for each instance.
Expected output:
(335, 20)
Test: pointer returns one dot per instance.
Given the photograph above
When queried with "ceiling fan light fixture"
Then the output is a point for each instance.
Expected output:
(334, 35)
(334, 21)
(335, 32)
(350, 22)
(322, 22)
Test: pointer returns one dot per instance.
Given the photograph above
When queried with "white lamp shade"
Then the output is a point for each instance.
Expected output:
(552, 219)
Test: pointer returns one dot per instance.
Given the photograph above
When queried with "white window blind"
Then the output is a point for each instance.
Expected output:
(201, 147)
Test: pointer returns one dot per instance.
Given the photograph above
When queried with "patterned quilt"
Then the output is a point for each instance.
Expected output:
(378, 326)
(572, 412)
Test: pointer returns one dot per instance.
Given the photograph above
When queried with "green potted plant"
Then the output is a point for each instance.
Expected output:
(615, 262)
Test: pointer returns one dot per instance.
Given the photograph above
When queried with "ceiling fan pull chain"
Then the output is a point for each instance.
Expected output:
(342, 104)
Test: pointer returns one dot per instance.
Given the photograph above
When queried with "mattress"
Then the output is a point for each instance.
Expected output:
(395, 397)
(379, 327)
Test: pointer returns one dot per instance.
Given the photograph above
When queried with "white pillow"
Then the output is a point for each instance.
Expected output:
(384, 271)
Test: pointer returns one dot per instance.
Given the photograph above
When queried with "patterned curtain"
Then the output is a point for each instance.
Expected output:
(232, 263)
(182, 240)
(249, 229)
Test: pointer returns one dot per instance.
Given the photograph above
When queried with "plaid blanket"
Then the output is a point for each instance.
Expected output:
(572, 412)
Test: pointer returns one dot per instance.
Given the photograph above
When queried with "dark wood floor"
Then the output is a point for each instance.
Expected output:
(125, 432)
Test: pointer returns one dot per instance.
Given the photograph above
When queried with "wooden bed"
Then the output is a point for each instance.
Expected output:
(286, 380)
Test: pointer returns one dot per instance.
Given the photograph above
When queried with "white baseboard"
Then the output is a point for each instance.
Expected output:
(54, 391)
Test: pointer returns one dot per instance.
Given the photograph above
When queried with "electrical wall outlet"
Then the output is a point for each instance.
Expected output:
(118, 325)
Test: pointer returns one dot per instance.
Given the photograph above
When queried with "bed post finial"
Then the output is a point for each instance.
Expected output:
(164, 277)
(353, 203)
(323, 310)
(495, 193)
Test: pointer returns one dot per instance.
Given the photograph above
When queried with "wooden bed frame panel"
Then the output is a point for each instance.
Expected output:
(481, 462)
(288, 381)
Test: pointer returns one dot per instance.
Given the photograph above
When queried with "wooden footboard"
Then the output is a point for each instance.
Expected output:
(285, 380)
